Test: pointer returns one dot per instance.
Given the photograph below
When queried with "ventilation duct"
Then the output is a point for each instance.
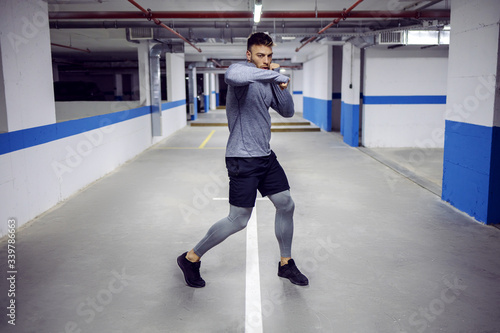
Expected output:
(392, 37)
(415, 37)
(140, 33)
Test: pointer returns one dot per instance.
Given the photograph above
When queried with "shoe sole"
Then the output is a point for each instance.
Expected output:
(187, 282)
(295, 283)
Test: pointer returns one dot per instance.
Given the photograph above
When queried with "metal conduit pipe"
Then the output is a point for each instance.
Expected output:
(155, 54)
(427, 14)
(155, 88)
(116, 24)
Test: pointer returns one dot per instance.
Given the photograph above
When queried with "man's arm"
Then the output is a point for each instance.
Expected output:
(240, 74)
(282, 100)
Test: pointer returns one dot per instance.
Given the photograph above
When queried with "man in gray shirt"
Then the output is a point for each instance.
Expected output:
(253, 87)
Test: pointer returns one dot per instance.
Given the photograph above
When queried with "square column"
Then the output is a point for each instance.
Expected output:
(317, 83)
(217, 91)
(471, 168)
(144, 77)
(27, 89)
(350, 96)
(213, 88)
(206, 91)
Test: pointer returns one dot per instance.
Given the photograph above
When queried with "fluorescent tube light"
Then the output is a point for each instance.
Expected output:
(257, 11)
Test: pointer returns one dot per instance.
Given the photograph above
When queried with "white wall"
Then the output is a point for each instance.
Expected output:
(409, 71)
(34, 179)
(317, 73)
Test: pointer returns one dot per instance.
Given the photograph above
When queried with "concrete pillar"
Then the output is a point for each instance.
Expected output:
(55, 72)
(175, 67)
(118, 87)
(212, 92)
(206, 91)
(217, 92)
(336, 87)
(297, 90)
(471, 168)
(351, 85)
(26, 92)
(317, 83)
(4, 124)
(144, 77)
(193, 92)
(134, 86)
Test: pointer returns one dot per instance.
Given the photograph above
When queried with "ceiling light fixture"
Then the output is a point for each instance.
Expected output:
(257, 11)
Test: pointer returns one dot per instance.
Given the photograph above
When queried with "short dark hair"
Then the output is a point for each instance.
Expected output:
(259, 38)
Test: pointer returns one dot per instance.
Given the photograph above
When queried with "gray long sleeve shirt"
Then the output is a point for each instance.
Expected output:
(251, 91)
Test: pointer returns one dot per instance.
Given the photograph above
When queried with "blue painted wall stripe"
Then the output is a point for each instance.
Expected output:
(30, 137)
(350, 123)
(174, 104)
(318, 111)
(471, 180)
(438, 99)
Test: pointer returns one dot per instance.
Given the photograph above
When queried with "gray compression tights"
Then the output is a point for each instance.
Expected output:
(238, 218)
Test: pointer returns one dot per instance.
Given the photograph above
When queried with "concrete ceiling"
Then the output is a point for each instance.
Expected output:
(221, 37)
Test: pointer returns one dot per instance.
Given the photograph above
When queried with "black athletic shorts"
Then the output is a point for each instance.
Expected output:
(247, 175)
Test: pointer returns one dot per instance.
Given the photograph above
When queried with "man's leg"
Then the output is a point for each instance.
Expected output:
(283, 225)
(283, 228)
(236, 220)
(189, 262)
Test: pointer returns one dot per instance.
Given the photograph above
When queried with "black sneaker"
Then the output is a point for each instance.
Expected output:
(292, 273)
(191, 271)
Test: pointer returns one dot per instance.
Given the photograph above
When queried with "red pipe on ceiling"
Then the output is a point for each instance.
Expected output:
(427, 14)
(149, 15)
(343, 16)
(70, 47)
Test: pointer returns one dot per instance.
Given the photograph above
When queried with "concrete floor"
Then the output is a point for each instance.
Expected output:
(382, 253)
(422, 166)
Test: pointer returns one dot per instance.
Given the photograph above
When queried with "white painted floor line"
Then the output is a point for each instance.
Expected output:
(253, 304)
